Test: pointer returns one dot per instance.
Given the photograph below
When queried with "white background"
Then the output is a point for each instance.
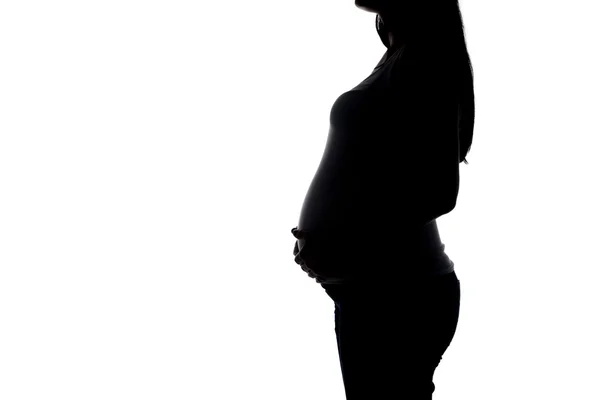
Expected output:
(154, 156)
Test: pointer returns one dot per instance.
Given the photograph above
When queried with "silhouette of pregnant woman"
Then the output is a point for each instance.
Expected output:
(367, 231)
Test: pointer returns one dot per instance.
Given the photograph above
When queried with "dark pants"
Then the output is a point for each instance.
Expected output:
(391, 337)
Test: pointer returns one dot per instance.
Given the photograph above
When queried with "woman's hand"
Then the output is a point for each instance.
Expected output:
(319, 258)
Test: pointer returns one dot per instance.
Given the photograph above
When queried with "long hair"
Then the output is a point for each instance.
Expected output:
(445, 30)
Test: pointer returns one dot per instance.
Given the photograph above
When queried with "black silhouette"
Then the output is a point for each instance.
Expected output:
(367, 230)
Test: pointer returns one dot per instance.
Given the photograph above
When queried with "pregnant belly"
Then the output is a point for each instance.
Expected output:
(328, 205)
(342, 201)
(343, 204)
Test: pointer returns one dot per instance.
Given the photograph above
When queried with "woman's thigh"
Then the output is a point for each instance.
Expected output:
(392, 337)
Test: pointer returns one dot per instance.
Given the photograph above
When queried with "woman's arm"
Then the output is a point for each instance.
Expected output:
(424, 87)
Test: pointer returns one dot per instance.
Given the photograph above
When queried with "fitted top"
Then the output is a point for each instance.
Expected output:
(357, 186)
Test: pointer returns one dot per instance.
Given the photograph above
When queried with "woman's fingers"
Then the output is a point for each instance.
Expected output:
(319, 260)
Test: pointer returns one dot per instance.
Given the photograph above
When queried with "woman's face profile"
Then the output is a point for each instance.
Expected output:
(374, 6)
(385, 10)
